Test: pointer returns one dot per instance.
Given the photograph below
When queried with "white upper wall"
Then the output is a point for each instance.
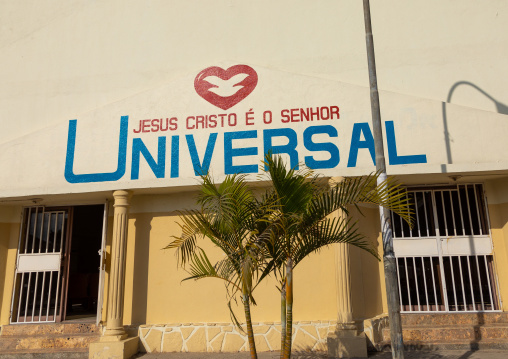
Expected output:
(63, 58)
(91, 60)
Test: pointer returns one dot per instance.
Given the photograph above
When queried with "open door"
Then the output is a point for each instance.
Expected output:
(102, 269)
(60, 265)
(84, 264)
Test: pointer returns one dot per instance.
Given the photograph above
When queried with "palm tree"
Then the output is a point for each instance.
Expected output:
(302, 225)
(231, 218)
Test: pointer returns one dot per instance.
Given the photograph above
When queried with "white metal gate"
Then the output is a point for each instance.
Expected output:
(37, 295)
(445, 261)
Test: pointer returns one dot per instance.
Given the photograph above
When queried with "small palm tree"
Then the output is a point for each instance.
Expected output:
(231, 218)
(301, 224)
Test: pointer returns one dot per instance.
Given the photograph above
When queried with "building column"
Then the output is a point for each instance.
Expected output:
(345, 342)
(114, 324)
(114, 343)
(344, 309)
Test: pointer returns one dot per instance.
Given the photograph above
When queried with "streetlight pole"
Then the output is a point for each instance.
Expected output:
(389, 260)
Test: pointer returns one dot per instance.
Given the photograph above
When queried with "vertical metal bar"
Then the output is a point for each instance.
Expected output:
(477, 210)
(444, 284)
(408, 285)
(41, 234)
(57, 292)
(487, 213)
(461, 214)
(417, 217)
(42, 294)
(409, 228)
(416, 285)
(20, 295)
(488, 282)
(425, 210)
(49, 230)
(50, 288)
(444, 212)
(453, 213)
(479, 282)
(469, 212)
(425, 283)
(440, 252)
(28, 293)
(401, 227)
(56, 230)
(463, 285)
(29, 219)
(58, 277)
(398, 279)
(453, 283)
(433, 281)
(35, 227)
(471, 282)
(35, 294)
(393, 221)
(63, 232)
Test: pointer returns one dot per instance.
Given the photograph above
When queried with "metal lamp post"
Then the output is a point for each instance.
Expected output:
(389, 259)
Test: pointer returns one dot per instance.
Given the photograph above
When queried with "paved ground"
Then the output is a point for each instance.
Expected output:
(438, 354)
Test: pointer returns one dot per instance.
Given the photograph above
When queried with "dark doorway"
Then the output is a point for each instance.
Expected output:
(84, 263)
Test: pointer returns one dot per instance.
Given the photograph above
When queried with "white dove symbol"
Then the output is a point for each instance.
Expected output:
(225, 88)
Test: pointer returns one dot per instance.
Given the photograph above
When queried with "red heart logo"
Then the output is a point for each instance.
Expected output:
(225, 88)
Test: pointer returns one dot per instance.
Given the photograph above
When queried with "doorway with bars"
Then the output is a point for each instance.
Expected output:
(60, 264)
(445, 262)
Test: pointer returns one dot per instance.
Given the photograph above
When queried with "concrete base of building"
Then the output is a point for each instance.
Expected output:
(346, 343)
(114, 349)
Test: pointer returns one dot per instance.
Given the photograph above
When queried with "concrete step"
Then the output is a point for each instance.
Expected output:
(446, 333)
(429, 333)
(450, 319)
(45, 354)
(48, 329)
(51, 341)
(486, 344)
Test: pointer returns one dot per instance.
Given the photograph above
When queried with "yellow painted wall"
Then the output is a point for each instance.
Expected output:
(367, 273)
(499, 223)
(5, 229)
(8, 248)
(497, 197)
(155, 293)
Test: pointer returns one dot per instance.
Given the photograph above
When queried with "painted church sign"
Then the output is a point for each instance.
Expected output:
(222, 119)
(232, 140)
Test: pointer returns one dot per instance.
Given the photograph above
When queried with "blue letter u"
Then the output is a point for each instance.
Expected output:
(96, 177)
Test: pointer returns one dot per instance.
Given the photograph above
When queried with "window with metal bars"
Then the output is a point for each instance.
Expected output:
(446, 211)
(457, 273)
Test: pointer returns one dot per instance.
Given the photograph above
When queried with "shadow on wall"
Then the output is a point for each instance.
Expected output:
(9, 235)
(500, 108)
(140, 276)
(4, 248)
(366, 291)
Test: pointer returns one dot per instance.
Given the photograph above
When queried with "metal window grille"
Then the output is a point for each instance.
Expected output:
(445, 261)
(37, 288)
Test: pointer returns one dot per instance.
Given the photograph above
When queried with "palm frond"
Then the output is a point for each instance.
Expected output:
(200, 267)
(353, 191)
(330, 231)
